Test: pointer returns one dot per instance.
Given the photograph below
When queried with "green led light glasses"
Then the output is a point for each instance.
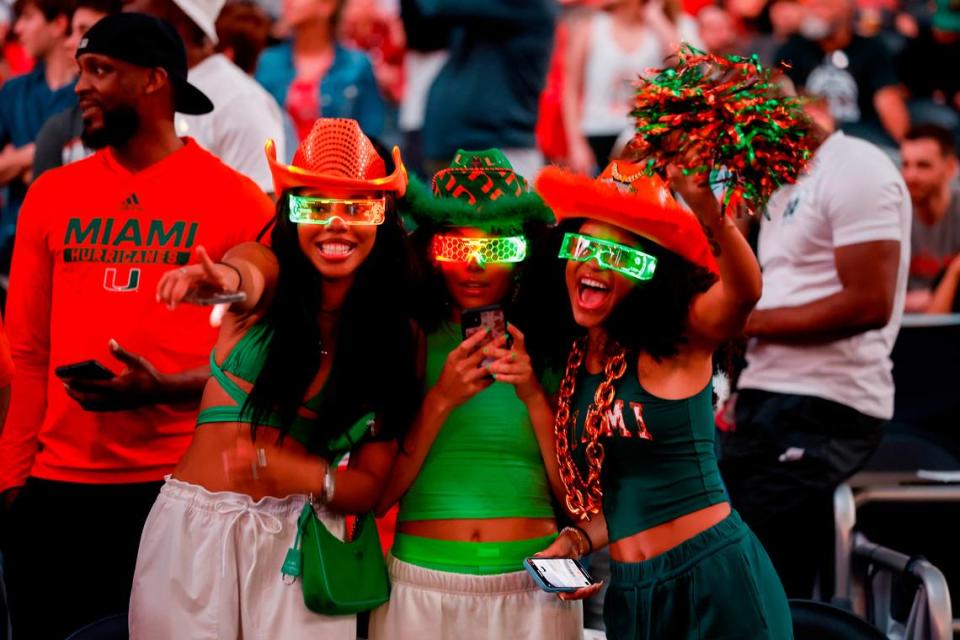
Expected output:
(312, 210)
(499, 250)
(631, 262)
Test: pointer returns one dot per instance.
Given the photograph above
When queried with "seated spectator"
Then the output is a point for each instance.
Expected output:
(312, 74)
(930, 171)
(26, 102)
(59, 141)
(927, 65)
(855, 74)
(243, 29)
(244, 115)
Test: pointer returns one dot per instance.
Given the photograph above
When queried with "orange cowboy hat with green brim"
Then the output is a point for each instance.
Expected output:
(336, 154)
(625, 197)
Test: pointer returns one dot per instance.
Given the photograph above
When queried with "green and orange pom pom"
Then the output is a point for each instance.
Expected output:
(725, 116)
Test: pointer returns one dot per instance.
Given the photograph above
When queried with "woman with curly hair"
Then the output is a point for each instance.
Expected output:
(652, 291)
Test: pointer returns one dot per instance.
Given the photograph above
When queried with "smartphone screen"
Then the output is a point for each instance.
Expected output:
(482, 318)
(561, 573)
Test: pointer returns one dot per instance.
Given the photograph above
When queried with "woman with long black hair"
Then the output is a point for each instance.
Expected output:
(317, 360)
(649, 292)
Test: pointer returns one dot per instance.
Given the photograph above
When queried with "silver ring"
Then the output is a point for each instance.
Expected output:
(262, 457)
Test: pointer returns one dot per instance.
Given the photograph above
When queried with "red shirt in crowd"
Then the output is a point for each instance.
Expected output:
(92, 242)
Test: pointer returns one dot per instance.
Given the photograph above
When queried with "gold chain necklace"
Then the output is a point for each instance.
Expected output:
(585, 497)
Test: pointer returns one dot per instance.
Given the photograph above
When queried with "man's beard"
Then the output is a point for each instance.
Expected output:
(120, 124)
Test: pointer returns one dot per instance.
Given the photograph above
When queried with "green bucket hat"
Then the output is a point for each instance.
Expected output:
(479, 189)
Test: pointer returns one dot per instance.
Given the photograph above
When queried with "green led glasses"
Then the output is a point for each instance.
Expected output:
(500, 250)
(630, 262)
(311, 210)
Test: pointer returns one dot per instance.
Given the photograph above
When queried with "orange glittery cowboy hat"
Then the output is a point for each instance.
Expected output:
(624, 197)
(336, 154)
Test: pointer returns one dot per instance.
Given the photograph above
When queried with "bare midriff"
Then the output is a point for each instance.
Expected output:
(476, 530)
(203, 463)
(664, 537)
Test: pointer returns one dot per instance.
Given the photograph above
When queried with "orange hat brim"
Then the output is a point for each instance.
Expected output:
(286, 176)
(673, 228)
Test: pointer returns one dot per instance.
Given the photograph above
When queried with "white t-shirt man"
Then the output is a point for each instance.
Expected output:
(851, 194)
(244, 116)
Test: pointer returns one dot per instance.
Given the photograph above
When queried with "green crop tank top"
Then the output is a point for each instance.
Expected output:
(245, 361)
(659, 461)
(485, 461)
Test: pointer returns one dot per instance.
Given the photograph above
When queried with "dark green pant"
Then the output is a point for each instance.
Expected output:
(719, 585)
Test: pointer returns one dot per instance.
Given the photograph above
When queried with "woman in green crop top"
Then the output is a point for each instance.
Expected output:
(299, 379)
(650, 292)
(475, 471)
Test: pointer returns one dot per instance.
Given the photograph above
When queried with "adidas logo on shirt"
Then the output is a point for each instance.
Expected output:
(131, 202)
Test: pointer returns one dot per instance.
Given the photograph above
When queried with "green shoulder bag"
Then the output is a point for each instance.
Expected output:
(338, 577)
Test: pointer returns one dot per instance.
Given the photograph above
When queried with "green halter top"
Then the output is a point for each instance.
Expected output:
(245, 361)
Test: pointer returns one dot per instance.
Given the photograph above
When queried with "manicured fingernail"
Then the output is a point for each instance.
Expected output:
(489, 329)
(494, 376)
(113, 344)
(486, 350)
(513, 357)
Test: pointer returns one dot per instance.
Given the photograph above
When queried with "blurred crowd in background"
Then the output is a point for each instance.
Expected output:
(545, 81)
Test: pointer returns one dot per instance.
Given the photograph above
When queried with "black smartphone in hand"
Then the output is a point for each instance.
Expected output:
(483, 318)
(86, 370)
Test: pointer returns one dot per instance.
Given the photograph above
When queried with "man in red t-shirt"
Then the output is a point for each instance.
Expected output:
(93, 239)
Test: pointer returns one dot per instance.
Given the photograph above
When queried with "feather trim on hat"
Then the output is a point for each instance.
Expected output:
(505, 216)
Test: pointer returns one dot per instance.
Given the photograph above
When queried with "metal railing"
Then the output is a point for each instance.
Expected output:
(853, 552)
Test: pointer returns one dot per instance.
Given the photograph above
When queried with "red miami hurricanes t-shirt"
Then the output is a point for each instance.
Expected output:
(93, 240)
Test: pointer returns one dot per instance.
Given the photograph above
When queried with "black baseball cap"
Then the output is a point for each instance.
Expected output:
(147, 42)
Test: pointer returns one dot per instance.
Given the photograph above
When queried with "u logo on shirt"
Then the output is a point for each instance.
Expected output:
(110, 280)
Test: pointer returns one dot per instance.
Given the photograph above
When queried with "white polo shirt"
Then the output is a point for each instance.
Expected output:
(851, 194)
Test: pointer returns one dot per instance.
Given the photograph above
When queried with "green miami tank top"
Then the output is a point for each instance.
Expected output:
(659, 461)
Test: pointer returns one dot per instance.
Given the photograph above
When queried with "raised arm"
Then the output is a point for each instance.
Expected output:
(722, 311)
